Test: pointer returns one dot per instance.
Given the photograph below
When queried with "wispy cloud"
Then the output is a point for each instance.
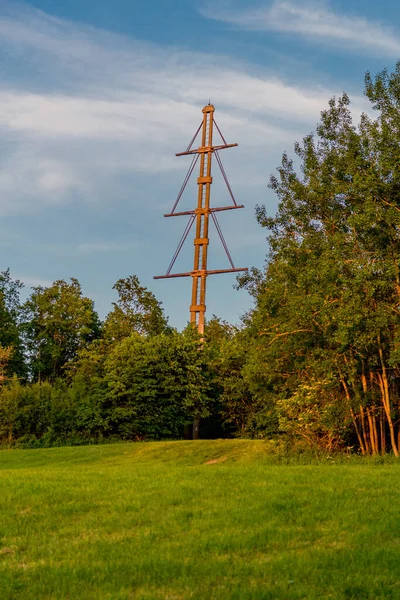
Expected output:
(82, 109)
(314, 20)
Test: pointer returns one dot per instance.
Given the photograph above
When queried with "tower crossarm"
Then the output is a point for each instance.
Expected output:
(205, 149)
(203, 210)
(199, 273)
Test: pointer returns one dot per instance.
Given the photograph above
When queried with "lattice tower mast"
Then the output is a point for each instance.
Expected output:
(201, 216)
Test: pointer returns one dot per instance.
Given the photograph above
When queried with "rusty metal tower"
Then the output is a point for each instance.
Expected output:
(201, 215)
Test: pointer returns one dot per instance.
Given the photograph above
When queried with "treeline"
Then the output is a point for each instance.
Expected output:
(68, 378)
(317, 358)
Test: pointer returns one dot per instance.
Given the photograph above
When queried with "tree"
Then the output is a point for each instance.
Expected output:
(156, 384)
(10, 322)
(136, 309)
(327, 314)
(59, 321)
(5, 358)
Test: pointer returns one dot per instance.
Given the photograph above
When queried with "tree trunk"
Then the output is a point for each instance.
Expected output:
(386, 405)
(383, 433)
(372, 432)
(360, 440)
(364, 429)
(186, 432)
(196, 429)
(385, 389)
(353, 416)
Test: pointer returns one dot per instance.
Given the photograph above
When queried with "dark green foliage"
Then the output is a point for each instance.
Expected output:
(59, 321)
(140, 388)
(156, 385)
(327, 320)
(44, 414)
(136, 309)
(10, 317)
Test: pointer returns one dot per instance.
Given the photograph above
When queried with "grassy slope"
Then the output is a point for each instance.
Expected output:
(152, 521)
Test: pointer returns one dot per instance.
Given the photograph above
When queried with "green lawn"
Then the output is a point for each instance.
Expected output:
(202, 520)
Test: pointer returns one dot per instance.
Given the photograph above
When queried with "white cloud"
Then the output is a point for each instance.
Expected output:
(91, 107)
(314, 20)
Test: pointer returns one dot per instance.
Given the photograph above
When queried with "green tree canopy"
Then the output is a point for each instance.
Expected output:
(156, 384)
(136, 309)
(59, 321)
(327, 316)
(10, 323)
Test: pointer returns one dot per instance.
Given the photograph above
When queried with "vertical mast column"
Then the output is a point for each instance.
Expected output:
(199, 275)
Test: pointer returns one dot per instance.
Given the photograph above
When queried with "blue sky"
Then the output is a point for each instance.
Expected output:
(96, 97)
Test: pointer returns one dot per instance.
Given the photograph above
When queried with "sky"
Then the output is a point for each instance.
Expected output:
(96, 97)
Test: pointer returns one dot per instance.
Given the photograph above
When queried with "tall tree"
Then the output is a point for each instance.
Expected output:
(136, 309)
(5, 357)
(59, 321)
(327, 316)
(156, 384)
(10, 323)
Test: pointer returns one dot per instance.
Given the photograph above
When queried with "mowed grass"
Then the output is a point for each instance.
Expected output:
(199, 520)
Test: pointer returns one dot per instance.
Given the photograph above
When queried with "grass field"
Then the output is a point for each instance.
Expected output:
(200, 520)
